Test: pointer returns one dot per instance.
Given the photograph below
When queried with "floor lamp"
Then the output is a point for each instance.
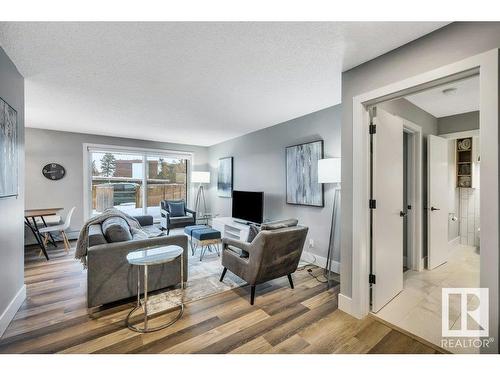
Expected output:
(200, 178)
(329, 173)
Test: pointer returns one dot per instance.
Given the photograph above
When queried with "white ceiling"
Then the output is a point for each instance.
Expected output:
(186, 82)
(464, 99)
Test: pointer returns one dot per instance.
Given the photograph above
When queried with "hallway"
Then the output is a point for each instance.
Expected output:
(417, 309)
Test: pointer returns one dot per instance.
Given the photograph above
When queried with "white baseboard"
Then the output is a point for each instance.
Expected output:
(10, 311)
(454, 242)
(345, 304)
(320, 261)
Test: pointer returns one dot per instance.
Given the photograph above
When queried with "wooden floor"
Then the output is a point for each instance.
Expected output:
(54, 319)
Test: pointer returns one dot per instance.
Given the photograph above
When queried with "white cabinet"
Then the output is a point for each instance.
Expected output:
(229, 228)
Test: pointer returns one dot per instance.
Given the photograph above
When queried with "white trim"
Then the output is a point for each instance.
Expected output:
(94, 147)
(345, 304)
(139, 150)
(454, 242)
(464, 134)
(487, 65)
(416, 219)
(11, 309)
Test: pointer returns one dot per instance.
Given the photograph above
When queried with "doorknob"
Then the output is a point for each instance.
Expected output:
(402, 214)
(434, 208)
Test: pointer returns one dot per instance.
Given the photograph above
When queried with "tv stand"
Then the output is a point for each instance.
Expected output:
(232, 228)
(244, 222)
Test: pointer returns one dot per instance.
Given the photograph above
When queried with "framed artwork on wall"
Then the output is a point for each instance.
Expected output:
(302, 186)
(8, 151)
(225, 177)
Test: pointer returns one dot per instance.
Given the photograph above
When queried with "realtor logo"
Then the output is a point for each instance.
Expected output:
(471, 306)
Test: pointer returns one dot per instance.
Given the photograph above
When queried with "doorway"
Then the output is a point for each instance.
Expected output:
(412, 300)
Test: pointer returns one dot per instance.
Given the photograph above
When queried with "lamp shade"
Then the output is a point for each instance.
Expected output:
(329, 171)
(200, 177)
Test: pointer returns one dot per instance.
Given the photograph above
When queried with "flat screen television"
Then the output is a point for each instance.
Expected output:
(248, 206)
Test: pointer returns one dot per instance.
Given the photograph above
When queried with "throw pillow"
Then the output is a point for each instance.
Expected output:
(116, 229)
(253, 232)
(177, 209)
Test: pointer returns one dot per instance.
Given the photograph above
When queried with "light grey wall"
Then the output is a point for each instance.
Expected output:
(444, 46)
(409, 111)
(259, 165)
(429, 124)
(44, 146)
(12, 209)
(458, 123)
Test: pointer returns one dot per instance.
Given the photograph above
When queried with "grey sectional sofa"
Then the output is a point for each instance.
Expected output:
(109, 276)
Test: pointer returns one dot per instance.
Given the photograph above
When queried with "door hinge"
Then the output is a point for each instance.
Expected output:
(373, 204)
(371, 278)
(373, 129)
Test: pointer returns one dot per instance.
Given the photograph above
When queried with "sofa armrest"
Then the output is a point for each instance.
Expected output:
(192, 212)
(144, 220)
(166, 215)
(110, 277)
(246, 246)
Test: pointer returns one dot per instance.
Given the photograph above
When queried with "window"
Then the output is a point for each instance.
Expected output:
(118, 177)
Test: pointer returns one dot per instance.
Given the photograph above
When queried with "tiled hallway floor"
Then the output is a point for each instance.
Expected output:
(417, 309)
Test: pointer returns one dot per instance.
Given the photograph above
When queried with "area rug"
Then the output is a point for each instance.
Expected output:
(203, 281)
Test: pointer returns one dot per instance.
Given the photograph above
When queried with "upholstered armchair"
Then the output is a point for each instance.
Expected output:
(170, 220)
(272, 254)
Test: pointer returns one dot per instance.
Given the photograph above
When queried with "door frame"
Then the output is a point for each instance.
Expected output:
(414, 233)
(486, 64)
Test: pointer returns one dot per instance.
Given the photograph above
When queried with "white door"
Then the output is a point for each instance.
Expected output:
(387, 237)
(437, 201)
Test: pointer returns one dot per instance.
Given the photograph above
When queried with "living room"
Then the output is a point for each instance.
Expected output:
(73, 177)
(194, 187)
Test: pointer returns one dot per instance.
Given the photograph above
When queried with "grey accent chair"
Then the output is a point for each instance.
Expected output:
(109, 276)
(168, 222)
(273, 253)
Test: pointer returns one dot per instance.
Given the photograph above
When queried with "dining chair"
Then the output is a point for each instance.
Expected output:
(59, 228)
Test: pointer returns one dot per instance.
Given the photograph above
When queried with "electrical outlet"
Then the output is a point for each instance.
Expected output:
(311, 243)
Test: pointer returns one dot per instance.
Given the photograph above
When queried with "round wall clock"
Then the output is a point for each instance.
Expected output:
(54, 171)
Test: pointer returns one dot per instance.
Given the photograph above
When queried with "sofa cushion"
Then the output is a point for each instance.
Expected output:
(96, 237)
(177, 209)
(152, 231)
(116, 229)
(182, 219)
(144, 220)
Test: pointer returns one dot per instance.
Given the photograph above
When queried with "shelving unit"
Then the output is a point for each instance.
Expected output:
(464, 162)
(230, 228)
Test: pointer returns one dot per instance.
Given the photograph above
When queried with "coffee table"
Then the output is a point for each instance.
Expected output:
(149, 257)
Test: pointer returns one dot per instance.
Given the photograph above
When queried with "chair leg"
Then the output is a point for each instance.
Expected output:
(252, 294)
(290, 280)
(223, 274)
(44, 241)
(65, 240)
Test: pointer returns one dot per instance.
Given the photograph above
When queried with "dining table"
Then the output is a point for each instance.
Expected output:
(30, 220)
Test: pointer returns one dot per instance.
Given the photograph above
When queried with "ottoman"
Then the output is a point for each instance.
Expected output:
(205, 237)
